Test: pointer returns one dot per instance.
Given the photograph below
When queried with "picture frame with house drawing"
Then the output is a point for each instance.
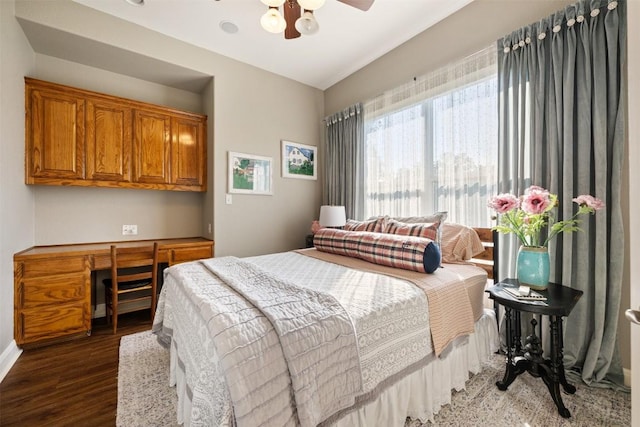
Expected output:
(250, 174)
(299, 160)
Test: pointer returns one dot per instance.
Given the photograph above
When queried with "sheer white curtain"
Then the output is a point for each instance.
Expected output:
(431, 145)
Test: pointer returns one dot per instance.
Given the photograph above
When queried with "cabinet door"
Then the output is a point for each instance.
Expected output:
(109, 141)
(55, 135)
(151, 147)
(188, 158)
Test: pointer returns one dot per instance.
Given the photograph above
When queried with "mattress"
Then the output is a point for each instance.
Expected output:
(390, 317)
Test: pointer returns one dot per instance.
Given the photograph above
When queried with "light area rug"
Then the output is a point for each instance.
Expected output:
(145, 398)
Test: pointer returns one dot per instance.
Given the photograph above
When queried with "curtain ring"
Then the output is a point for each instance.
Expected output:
(612, 5)
(595, 12)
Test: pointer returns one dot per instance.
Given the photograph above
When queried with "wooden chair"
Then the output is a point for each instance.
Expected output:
(134, 280)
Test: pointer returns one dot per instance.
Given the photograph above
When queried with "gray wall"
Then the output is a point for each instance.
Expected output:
(17, 204)
(475, 26)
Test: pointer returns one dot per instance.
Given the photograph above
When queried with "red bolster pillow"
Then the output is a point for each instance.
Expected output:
(406, 252)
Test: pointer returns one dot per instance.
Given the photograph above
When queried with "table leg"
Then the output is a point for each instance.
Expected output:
(517, 339)
(555, 376)
(512, 370)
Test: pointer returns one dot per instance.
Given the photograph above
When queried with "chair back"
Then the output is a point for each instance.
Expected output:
(134, 264)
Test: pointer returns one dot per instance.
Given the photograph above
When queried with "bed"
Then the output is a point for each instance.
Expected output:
(338, 340)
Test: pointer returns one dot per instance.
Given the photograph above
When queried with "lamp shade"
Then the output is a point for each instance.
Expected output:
(273, 3)
(272, 21)
(310, 4)
(332, 216)
(307, 24)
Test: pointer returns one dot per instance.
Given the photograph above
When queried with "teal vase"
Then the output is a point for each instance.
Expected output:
(533, 267)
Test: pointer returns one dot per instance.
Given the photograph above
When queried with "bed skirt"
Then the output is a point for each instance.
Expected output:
(419, 395)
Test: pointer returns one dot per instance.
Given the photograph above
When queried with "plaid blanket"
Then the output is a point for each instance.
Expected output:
(405, 252)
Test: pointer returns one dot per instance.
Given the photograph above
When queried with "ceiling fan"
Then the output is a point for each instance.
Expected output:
(298, 15)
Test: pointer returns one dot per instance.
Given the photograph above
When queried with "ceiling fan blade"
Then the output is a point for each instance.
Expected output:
(291, 14)
(359, 4)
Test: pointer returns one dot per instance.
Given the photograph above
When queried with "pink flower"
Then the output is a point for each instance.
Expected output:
(534, 188)
(589, 201)
(503, 203)
(315, 226)
(536, 201)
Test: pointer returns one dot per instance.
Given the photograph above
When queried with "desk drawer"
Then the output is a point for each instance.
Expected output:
(34, 292)
(51, 322)
(49, 266)
(52, 298)
(178, 255)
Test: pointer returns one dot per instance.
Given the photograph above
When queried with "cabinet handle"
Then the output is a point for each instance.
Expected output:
(633, 316)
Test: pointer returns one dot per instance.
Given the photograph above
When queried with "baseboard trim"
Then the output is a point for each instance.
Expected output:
(8, 358)
(627, 376)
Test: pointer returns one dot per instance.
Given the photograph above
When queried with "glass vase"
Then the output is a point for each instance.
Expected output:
(533, 267)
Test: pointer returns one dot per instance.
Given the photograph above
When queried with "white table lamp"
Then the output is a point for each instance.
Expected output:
(332, 216)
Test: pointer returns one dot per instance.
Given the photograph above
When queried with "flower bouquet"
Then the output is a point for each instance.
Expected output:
(530, 218)
(527, 216)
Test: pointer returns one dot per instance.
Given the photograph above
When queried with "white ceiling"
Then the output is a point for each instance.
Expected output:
(348, 38)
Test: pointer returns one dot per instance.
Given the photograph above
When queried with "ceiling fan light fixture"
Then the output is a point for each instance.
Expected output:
(307, 24)
(311, 4)
(272, 21)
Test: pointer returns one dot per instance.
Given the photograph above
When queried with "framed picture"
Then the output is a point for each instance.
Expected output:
(299, 160)
(249, 174)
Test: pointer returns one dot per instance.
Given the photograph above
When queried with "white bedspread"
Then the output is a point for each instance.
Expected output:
(390, 318)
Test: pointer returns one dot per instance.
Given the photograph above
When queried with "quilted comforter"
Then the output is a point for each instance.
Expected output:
(217, 317)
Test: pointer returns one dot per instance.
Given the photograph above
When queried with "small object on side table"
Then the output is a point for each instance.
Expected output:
(558, 303)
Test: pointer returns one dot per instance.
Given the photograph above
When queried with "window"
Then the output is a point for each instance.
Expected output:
(432, 145)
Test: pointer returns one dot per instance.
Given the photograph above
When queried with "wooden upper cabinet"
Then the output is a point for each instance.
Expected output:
(83, 138)
(54, 129)
(109, 141)
(151, 147)
(187, 148)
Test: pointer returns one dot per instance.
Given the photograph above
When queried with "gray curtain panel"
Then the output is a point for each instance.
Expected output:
(562, 126)
(344, 161)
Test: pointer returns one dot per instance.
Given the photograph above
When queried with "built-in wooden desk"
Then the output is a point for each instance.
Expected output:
(52, 295)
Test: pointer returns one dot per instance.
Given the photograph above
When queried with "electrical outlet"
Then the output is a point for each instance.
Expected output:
(129, 230)
(209, 228)
(228, 199)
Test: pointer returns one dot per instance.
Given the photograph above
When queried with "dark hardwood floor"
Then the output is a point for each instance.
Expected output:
(71, 383)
